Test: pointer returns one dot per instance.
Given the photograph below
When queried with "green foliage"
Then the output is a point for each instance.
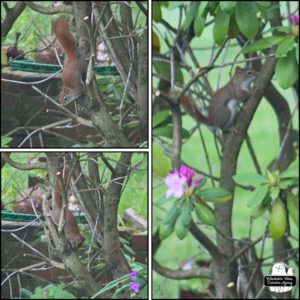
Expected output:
(291, 171)
(200, 20)
(262, 44)
(191, 14)
(205, 214)
(213, 194)
(259, 210)
(293, 207)
(5, 140)
(267, 188)
(258, 195)
(287, 65)
(167, 131)
(221, 27)
(286, 70)
(15, 180)
(31, 37)
(278, 220)
(157, 16)
(246, 18)
(172, 213)
(52, 292)
(163, 68)
(119, 284)
(135, 191)
(227, 5)
(250, 179)
(285, 46)
(165, 230)
(267, 195)
(184, 220)
(160, 117)
(161, 163)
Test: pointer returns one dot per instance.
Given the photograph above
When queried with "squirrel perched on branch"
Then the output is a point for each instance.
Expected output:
(224, 103)
(71, 229)
(74, 67)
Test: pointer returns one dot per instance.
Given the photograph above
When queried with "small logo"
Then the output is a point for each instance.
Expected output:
(281, 280)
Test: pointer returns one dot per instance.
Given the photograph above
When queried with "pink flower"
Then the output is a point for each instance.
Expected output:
(294, 20)
(188, 173)
(175, 184)
(181, 182)
(133, 275)
(135, 286)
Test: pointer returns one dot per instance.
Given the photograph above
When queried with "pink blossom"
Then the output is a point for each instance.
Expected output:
(133, 275)
(294, 20)
(175, 184)
(135, 286)
(181, 182)
(188, 173)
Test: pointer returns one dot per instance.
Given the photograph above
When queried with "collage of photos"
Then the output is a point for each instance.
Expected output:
(150, 150)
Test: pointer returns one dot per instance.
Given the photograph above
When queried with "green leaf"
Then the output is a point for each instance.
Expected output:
(293, 207)
(165, 230)
(164, 71)
(214, 194)
(265, 4)
(181, 229)
(199, 24)
(167, 131)
(227, 5)
(285, 46)
(285, 29)
(221, 27)
(163, 200)
(161, 163)
(286, 70)
(258, 211)
(205, 214)
(164, 3)
(258, 195)
(193, 9)
(174, 5)
(186, 214)
(246, 19)
(156, 9)
(274, 192)
(159, 117)
(202, 7)
(249, 179)
(132, 124)
(233, 29)
(263, 44)
(172, 214)
(5, 140)
(291, 171)
(278, 220)
(286, 183)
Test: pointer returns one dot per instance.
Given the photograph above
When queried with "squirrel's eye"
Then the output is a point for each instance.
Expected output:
(249, 72)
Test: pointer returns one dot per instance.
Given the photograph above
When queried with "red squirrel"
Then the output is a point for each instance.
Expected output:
(71, 229)
(73, 71)
(224, 102)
